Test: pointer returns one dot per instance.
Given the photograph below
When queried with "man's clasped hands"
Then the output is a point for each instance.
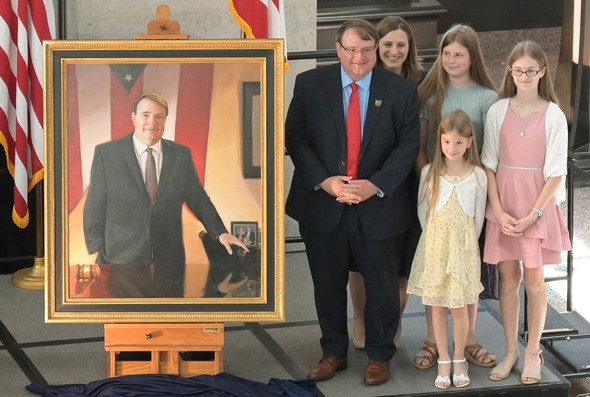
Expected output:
(348, 190)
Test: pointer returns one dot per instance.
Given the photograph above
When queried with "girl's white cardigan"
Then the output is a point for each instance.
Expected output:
(472, 194)
(556, 142)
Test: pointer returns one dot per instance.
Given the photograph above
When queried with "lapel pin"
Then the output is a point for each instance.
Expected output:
(378, 102)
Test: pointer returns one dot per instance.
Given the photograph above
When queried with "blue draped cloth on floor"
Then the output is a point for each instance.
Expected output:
(156, 385)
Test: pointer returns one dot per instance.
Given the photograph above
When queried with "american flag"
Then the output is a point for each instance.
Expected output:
(261, 19)
(24, 24)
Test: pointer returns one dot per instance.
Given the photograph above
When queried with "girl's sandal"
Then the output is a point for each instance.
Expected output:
(501, 373)
(459, 379)
(442, 382)
(430, 353)
(477, 354)
(535, 376)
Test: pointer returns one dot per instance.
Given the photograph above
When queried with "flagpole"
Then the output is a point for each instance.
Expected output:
(34, 277)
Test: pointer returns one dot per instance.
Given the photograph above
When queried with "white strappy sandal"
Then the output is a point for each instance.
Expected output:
(461, 377)
(442, 382)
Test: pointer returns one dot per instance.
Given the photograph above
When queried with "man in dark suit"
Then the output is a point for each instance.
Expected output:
(140, 228)
(345, 218)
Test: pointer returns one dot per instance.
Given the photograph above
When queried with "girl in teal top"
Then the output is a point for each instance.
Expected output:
(457, 80)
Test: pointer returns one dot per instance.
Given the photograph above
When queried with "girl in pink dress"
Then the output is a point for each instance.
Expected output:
(525, 155)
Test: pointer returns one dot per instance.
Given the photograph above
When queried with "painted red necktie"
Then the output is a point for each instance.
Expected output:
(353, 126)
(151, 179)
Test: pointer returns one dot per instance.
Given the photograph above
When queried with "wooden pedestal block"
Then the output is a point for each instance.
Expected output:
(176, 349)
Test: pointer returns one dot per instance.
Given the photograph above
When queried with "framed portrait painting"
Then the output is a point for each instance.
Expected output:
(145, 181)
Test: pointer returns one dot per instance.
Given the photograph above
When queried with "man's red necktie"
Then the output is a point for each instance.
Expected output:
(353, 126)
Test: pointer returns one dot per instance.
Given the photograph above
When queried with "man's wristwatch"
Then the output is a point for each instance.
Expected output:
(538, 211)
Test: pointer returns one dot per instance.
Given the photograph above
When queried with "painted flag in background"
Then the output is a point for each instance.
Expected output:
(261, 19)
(24, 24)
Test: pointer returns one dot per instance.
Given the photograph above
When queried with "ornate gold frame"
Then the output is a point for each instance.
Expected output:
(268, 57)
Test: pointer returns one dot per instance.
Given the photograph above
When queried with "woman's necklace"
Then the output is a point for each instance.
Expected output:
(523, 130)
(523, 122)
(525, 125)
(527, 119)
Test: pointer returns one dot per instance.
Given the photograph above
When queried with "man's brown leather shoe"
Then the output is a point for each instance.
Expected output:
(377, 372)
(327, 367)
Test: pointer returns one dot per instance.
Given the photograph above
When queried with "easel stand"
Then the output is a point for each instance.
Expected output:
(175, 349)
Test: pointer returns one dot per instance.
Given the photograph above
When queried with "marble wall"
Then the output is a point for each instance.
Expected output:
(203, 19)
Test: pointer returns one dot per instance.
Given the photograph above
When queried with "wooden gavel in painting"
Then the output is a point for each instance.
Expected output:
(87, 272)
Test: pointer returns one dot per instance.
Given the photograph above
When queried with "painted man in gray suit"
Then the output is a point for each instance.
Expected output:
(126, 227)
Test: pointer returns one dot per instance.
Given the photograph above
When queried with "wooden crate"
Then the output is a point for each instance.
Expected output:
(177, 349)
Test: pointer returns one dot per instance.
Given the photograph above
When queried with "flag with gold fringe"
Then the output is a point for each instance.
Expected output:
(261, 19)
(24, 24)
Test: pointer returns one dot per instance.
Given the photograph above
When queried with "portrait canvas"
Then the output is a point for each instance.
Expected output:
(91, 91)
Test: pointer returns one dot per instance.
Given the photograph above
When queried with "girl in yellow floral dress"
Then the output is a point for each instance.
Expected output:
(446, 268)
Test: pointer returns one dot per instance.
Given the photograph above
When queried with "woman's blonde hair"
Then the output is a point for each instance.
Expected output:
(412, 67)
(456, 120)
(435, 82)
(532, 49)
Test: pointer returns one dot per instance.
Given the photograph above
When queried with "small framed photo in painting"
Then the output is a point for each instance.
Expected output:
(246, 231)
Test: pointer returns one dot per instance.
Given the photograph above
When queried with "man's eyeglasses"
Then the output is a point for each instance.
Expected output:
(363, 51)
(530, 72)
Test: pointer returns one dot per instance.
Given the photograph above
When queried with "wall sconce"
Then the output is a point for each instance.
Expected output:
(573, 72)
(580, 24)
(581, 80)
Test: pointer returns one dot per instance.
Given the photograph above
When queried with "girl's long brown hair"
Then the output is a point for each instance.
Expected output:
(456, 120)
(436, 81)
(532, 49)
